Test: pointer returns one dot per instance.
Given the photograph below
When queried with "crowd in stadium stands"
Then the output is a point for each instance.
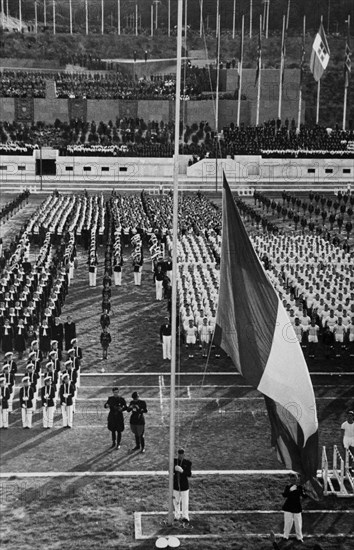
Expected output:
(103, 85)
(136, 137)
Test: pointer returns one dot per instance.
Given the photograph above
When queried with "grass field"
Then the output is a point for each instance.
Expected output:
(220, 420)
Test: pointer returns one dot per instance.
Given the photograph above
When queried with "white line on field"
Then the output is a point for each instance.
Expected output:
(137, 473)
(199, 386)
(161, 396)
(207, 398)
(200, 373)
(139, 535)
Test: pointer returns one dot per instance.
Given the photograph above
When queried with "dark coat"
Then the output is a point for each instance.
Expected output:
(116, 407)
(180, 480)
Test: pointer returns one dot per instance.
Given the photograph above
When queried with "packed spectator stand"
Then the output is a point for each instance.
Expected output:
(136, 137)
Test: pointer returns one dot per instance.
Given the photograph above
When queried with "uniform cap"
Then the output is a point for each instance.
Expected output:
(73, 341)
(53, 342)
(9, 354)
(68, 362)
(32, 354)
(49, 364)
(65, 375)
(25, 379)
(71, 350)
(29, 366)
(180, 451)
(6, 367)
(47, 378)
(53, 353)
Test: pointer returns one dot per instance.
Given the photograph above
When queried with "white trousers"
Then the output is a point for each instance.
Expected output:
(117, 276)
(137, 277)
(289, 519)
(92, 278)
(158, 285)
(27, 417)
(166, 347)
(4, 418)
(67, 414)
(181, 504)
(48, 417)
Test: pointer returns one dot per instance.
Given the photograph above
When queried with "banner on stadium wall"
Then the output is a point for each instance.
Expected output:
(77, 109)
(24, 109)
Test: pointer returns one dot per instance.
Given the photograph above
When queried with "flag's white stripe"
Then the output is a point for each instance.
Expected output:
(316, 47)
(286, 378)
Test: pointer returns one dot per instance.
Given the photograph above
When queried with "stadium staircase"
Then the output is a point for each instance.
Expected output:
(338, 481)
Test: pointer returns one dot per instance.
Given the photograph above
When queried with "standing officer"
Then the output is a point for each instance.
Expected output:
(116, 405)
(48, 402)
(137, 421)
(4, 404)
(292, 507)
(165, 337)
(67, 393)
(182, 471)
(26, 402)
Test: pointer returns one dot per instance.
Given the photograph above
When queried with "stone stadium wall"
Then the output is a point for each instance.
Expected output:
(48, 109)
(245, 173)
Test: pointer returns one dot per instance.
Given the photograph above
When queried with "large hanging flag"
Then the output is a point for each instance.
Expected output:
(347, 61)
(253, 328)
(320, 54)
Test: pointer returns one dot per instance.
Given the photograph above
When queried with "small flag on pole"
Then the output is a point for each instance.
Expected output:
(253, 328)
(259, 57)
(347, 61)
(320, 54)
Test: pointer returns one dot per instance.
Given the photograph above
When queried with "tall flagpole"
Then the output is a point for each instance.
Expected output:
(251, 17)
(240, 70)
(136, 19)
(259, 73)
(71, 16)
(102, 17)
(35, 17)
(201, 19)
(2, 14)
(217, 101)
(217, 18)
(301, 72)
(318, 92)
(118, 15)
(346, 83)
(174, 265)
(234, 20)
(86, 18)
(267, 23)
(282, 62)
(152, 19)
(169, 18)
(54, 18)
(45, 13)
(20, 15)
(287, 15)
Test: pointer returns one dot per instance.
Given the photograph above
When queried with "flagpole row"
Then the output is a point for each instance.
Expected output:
(282, 62)
(240, 72)
(259, 71)
(267, 23)
(318, 101)
(234, 20)
(301, 72)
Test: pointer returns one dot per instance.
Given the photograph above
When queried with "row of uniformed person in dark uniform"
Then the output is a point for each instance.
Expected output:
(58, 384)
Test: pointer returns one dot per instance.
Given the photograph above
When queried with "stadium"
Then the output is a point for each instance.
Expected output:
(177, 300)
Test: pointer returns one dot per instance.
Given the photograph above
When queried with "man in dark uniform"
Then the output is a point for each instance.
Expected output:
(26, 402)
(4, 404)
(182, 471)
(67, 394)
(292, 507)
(116, 405)
(48, 402)
(137, 421)
(69, 331)
(105, 341)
